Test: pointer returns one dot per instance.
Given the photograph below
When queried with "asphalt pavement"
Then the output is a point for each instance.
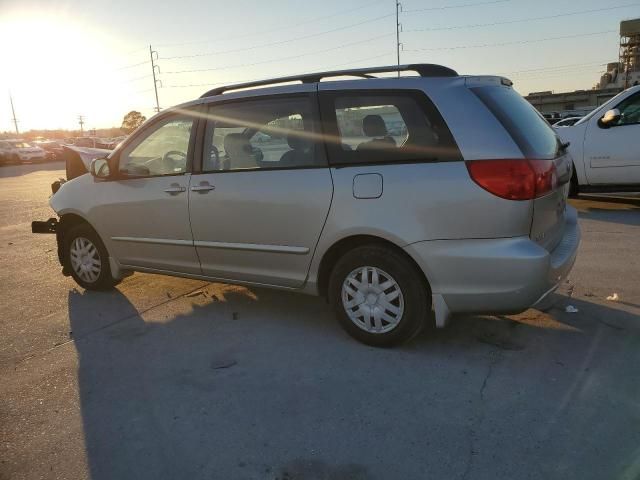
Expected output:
(169, 378)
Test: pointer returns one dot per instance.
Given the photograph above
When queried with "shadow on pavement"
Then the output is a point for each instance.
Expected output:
(612, 209)
(24, 169)
(238, 383)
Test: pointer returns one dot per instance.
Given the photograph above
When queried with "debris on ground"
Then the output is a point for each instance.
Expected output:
(196, 293)
(571, 309)
(589, 294)
(613, 297)
(220, 363)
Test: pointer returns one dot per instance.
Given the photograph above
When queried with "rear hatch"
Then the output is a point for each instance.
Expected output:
(547, 159)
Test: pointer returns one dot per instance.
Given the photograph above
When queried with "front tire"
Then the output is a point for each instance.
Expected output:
(379, 296)
(87, 259)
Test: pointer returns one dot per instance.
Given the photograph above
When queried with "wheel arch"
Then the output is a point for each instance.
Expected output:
(67, 222)
(344, 245)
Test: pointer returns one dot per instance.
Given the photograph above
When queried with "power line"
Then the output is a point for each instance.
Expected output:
(254, 79)
(279, 59)
(516, 42)
(139, 78)
(558, 67)
(281, 42)
(521, 20)
(131, 66)
(556, 74)
(449, 7)
(278, 29)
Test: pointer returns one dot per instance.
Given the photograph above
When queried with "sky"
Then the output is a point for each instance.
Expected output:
(63, 58)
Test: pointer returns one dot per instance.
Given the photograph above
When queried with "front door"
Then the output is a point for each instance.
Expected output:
(260, 203)
(612, 153)
(143, 213)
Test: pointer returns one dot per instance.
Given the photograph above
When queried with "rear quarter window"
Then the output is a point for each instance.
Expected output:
(521, 120)
(369, 127)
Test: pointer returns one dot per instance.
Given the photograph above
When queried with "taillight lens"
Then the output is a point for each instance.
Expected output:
(514, 179)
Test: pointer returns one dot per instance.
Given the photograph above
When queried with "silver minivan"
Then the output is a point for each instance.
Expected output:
(391, 196)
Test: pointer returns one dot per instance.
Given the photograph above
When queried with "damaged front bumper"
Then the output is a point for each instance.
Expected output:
(49, 226)
(52, 226)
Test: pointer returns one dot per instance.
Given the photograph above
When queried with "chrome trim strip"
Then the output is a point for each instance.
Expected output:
(157, 241)
(253, 247)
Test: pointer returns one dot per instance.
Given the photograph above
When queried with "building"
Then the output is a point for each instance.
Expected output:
(619, 76)
(577, 103)
(626, 71)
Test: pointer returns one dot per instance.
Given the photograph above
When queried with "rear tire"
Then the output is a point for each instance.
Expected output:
(87, 259)
(379, 296)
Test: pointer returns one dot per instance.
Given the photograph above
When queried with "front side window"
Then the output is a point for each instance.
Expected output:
(629, 111)
(373, 128)
(163, 151)
(267, 133)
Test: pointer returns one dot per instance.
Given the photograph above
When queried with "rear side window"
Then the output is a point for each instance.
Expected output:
(278, 132)
(521, 120)
(384, 127)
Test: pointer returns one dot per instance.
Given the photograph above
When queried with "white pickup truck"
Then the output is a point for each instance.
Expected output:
(605, 146)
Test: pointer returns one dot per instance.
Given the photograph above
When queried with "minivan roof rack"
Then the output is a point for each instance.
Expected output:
(423, 69)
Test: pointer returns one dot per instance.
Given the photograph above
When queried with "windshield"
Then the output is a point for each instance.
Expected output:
(20, 144)
(603, 108)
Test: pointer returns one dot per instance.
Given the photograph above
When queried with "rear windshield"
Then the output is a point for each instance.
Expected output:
(529, 130)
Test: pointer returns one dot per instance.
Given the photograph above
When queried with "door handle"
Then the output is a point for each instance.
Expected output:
(204, 187)
(174, 189)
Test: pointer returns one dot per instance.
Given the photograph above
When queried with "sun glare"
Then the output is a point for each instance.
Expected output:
(57, 70)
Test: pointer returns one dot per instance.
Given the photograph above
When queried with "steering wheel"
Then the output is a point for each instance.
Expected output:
(168, 163)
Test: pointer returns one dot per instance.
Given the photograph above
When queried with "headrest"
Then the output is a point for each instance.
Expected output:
(235, 143)
(297, 141)
(374, 126)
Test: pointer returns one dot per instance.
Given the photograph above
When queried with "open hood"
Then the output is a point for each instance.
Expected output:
(78, 159)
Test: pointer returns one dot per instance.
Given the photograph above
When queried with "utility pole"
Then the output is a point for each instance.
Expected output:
(81, 122)
(398, 27)
(13, 112)
(152, 52)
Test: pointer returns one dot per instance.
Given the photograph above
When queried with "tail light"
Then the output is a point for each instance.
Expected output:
(514, 179)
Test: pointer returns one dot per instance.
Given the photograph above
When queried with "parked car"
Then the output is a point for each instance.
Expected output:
(468, 214)
(93, 142)
(552, 118)
(605, 146)
(53, 150)
(567, 122)
(19, 151)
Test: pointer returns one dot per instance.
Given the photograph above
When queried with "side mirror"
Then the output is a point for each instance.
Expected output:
(100, 168)
(609, 118)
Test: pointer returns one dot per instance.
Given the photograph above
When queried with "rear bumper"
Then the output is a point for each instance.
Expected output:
(493, 276)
